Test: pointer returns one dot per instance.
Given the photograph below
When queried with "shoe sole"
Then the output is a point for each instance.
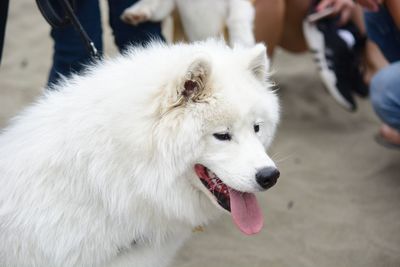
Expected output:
(316, 43)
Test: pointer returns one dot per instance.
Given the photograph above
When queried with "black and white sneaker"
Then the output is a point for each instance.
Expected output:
(333, 50)
(359, 86)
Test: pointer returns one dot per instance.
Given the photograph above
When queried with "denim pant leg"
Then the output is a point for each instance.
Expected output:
(385, 94)
(383, 31)
(70, 53)
(126, 34)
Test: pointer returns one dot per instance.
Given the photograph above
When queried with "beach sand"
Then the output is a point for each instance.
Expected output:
(337, 202)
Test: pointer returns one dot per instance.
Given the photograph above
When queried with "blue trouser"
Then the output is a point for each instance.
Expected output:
(383, 31)
(385, 85)
(385, 94)
(70, 54)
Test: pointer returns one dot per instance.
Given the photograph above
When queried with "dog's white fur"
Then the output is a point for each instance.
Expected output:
(201, 19)
(100, 172)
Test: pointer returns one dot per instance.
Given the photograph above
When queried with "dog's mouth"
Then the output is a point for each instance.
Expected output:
(215, 185)
(243, 206)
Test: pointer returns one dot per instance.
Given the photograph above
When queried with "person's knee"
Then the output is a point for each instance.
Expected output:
(385, 94)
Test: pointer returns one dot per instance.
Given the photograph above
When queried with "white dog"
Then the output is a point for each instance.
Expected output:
(201, 19)
(117, 166)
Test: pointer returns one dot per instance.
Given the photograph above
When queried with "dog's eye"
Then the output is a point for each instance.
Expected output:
(256, 128)
(223, 136)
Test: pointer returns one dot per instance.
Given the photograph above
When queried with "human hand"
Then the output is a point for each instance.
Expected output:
(342, 7)
(372, 5)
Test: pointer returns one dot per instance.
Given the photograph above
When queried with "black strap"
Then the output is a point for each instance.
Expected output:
(57, 20)
(51, 15)
(3, 21)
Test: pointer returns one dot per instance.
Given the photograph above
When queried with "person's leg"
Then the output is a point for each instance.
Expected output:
(372, 61)
(293, 38)
(269, 22)
(385, 98)
(70, 54)
(126, 34)
(279, 23)
(372, 58)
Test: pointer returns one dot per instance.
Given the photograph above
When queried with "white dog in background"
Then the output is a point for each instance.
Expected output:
(201, 19)
(117, 166)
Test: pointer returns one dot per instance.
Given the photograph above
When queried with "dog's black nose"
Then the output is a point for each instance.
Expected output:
(267, 177)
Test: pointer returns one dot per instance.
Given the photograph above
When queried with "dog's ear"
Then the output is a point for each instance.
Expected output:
(195, 82)
(259, 63)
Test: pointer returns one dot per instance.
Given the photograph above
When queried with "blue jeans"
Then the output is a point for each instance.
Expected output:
(70, 54)
(383, 31)
(385, 94)
(385, 85)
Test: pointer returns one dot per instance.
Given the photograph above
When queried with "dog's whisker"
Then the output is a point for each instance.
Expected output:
(279, 158)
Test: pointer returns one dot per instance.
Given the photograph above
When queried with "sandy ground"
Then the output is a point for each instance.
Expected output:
(337, 202)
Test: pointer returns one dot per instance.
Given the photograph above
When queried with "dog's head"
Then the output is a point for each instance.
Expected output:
(223, 104)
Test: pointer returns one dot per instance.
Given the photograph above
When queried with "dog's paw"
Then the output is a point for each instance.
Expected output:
(135, 15)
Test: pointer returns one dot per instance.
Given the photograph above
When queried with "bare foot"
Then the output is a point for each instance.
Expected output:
(389, 134)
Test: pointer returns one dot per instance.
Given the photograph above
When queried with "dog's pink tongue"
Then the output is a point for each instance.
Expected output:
(246, 212)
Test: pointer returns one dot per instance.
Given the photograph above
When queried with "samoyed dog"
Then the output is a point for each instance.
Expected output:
(201, 19)
(117, 166)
